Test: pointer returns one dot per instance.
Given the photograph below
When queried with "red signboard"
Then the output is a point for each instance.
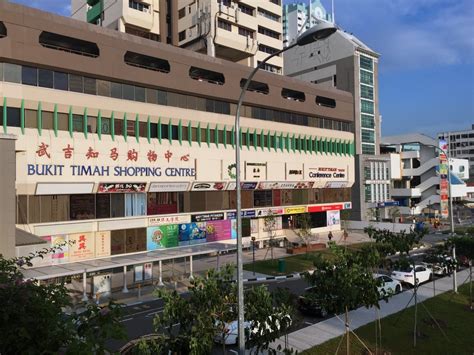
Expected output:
(323, 208)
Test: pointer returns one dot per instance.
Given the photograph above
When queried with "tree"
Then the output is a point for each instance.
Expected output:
(394, 213)
(465, 249)
(33, 320)
(303, 221)
(344, 283)
(345, 216)
(270, 225)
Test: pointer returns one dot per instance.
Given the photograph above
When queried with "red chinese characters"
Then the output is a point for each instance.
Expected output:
(82, 242)
(91, 154)
(68, 152)
(185, 157)
(43, 150)
(132, 155)
(114, 154)
(168, 155)
(152, 156)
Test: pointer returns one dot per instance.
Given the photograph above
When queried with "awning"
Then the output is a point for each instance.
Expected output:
(23, 238)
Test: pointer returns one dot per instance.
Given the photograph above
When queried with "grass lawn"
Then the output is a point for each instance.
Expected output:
(294, 263)
(450, 311)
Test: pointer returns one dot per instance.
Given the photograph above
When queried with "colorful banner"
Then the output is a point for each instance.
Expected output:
(82, 247)
(192, 233)
(121, 187)
(443, 177)
(162, 237)
(218, 230)
(333, 218)
(61, 255)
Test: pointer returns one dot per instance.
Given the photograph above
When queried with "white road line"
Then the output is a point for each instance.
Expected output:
(126, 320)
(135, 303)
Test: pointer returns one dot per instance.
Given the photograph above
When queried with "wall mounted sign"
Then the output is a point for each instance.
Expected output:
(244, 214)
(162, 220)
(121, 187)
(168, 186)
(243, 185)
(207, 217)
(208, 186)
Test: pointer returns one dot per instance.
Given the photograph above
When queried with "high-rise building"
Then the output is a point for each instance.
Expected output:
(126, 148)
(298, 17)
(244, 31)
(461, 145)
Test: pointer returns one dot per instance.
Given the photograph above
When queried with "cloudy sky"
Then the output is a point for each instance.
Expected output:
(427, 57)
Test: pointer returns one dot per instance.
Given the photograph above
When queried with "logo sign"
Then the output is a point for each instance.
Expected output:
(388, 204)
(208, 186)
(244, 214)
(121, 187)
(347, 205)
(162, 220)
(82, 247)
(168, 186)
(295, 210)
(335, 184)
(255, 171)
(243, 185)
(102, 243)
(323, 208)
(326, 173)
(207, 217)
(294, 171)
(269, 211)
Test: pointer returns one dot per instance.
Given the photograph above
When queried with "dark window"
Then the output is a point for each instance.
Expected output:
(224, 25)
(82, 206)
(45, 78)
(162, 97)
(118, 127)
(13, 117)
(139, 94)
(325, 101)
(153, 130)
(147, 62)
(61, 81)
(181, 13)
(182, 35)
(128, 92)
(138, 6)
(256, 86)
(267, 49)
(76, 83)
(78, 123)
(246, 9)
(206, 75)
(3, 30)
(102, 204)
(293, 95)
(267, 32)
(246, 32)
(90, 86)
(29, 76)
(116, 90)
(68, 44)
(105, 123)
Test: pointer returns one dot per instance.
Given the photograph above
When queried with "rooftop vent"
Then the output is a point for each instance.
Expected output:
(146, 62)
(68, 44)
(206, 75)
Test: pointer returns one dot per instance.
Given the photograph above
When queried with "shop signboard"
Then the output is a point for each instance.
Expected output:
(168, 186)
(165, 236)
(208, 186)
(443, 175)
(147, 271)
(192, 233)
(255, 170)
(161, 220)
(273, 185)
(102, 244)
(326, 173)
(204, 217)
(102, 285)
(218, 230)
(295, 210)
(388, 204)
(82, 246)
(246, 185)
(138, 273)
(244, 214)
(61, 255)
(333, 218)
(269, 211)
(335, 184)
(322, 208)
(121, 187)
(294, 171)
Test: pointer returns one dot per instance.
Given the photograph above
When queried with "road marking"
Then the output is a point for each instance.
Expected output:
(126, 320)
(135, 303)
(153, 313)
(309, 323)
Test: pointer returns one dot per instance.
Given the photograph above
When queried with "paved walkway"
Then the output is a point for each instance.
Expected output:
(319, 333)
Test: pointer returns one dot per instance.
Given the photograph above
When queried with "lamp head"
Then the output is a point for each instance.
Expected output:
(319, 31)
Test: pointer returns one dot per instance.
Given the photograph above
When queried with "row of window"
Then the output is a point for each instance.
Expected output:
(140, 6)
(368, 148)
(81, 84)
(267, 32)
(155, 129)
(57, 208)
(269, 15)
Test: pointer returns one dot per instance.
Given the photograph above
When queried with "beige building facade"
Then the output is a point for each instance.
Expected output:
(124, 146)
(245, 31)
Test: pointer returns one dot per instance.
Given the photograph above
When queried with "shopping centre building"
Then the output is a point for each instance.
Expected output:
(125, 147)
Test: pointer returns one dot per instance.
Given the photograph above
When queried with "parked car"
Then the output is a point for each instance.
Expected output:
(231, 330)
(407, 274)
(308, 304)
(388, 286)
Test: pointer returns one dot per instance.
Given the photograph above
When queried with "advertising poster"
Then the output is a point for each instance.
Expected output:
(102, 244)
(162, 237)
(233, 230)
(443, 176)
(192, 233)
(148, 271)
(333, 218)
(61, 255)
(82, 247)
(138, 273)
(218, 230)
(102, 285)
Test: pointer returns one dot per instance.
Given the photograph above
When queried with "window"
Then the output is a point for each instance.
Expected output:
(269, 15)
(68, 44)
(76, 83)
(61, 81)
(12, 73)
(116, 90)
(368, 149)
(366, 63)
(367, 121)
(182, 35)
(368, 193)
(82, 206)
(29, 76)
(246, 32)
(367, 107)
(135, 204)
(182, 13)
(3, 30)
(267, 32)
(105, 126)
(325, 101)
(90, 86)
(224, 25)
(147, 62)
(366, 78)
(367, 92)
(128, 92)
(257, 86)
(13, 117)
(246, 9)
(262, 198)
(103, 88)
(271, 68)
(102, 203)
(77, 123)
(293, 95)
(46, 78)
(138, 6)
(210, 76)
(267, 49)
(117, 203)
(368, 136)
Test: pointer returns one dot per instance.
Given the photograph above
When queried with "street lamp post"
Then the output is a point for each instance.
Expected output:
(320, 31)
(253, 255)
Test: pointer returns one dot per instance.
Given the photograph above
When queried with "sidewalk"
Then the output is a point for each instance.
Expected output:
(319, 333)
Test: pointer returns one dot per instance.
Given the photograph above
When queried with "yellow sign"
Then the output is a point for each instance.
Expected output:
(295, 210)
(83, 246)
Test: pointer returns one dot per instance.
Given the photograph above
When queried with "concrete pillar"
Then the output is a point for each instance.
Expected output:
(160, 277)
(84, 287)
(191, 267)
(124, 289)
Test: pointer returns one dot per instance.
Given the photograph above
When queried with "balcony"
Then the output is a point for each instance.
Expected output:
(94, 13)
(232, 46)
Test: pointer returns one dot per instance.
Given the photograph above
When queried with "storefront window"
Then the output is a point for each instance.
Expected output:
(162, 203)
(135, 204)
(117, 242)
(82, 206)
(117, 205)
(54, 208)
(135, 240)
(262, 198)
(102, 203)
(318, 219)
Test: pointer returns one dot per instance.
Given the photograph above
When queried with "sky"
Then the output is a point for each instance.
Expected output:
(426, 68)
